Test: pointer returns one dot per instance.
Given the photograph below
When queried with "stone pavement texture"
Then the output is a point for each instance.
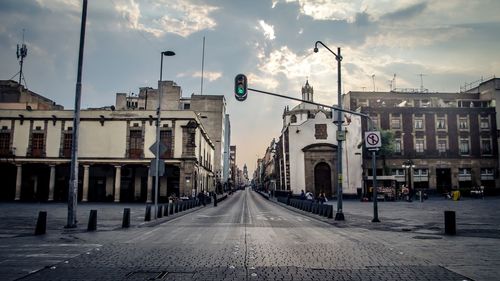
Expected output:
(250, 238)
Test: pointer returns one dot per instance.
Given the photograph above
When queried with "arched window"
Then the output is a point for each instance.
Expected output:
(293, 119)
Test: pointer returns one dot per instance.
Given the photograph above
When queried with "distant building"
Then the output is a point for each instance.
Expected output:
(232, 163)
(451, 139)
(16, 96)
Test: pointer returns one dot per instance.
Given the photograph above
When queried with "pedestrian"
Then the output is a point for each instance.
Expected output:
(302, 195)
(321, 197)
(309, 195)
(201, 198)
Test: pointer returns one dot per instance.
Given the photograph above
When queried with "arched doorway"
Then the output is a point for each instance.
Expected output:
(322, 179)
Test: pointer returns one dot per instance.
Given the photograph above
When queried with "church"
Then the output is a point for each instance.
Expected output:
(307, 149)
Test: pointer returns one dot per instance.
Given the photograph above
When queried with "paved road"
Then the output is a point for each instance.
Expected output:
(248, 238)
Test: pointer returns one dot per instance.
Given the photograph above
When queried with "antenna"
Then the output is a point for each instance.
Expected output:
(22, 52)
(394, 82)
(202, 65)
(421, 82)
(373, 80)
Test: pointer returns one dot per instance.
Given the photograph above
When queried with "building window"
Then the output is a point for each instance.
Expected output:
(37, 144)
(67, 143)
(442, 145)
(441, 124)
(166, 139)
(486, 146)
(484, 123)
(419, 145)
(135, 144)
(4, 143)
(464, 146)
(463, 123)
(487, 174)
(375, 121)
(396, 124)
(419, 123)
(397, 146)
(187, 106)
(293, 119)
(464, 174)
(320, 132)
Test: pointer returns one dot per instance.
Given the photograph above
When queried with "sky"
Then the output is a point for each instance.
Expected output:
(443, 44)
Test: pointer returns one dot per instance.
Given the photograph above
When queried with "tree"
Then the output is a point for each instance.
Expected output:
(387, 148)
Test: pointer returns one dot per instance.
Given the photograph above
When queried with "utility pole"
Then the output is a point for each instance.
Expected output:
(73, 182)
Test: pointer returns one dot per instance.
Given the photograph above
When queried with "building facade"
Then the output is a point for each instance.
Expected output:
(450, 139)
(307, 150)
(211, 110)
(114, 155)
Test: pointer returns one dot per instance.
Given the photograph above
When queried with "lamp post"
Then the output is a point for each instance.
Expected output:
(158, 118)
(339, 216)
(408, 165)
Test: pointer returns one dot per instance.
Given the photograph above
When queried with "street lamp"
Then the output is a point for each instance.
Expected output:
(339, 216)
(158, 115)
(408, 165)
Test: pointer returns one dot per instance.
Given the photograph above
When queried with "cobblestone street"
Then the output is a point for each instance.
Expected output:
(247, 237)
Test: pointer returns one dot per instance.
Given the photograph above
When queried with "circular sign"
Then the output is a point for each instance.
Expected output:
(372, 139)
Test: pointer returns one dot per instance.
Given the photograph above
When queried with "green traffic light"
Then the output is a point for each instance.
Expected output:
(241, 91)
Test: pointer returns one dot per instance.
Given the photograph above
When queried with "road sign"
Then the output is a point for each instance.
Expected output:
(373, 140)
(163, 148)
(161, 168)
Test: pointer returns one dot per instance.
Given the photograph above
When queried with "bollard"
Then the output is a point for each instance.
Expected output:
(159, 212)
(420, 195)
(41, 223)
(126, 218)
(147, 216)
(330, 212)
(215, 200)
(165, 210)
(450, 225)
(92, 225)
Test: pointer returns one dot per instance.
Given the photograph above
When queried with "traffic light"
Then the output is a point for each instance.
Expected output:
(240, 87)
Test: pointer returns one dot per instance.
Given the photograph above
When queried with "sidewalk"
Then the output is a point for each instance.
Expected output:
(474, 217)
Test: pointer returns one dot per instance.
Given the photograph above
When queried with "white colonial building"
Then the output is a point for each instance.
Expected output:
(307, 149)
(113, 154)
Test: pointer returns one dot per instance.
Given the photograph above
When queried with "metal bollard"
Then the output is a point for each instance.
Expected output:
(165, 210)
(92, 225)
(159, 211)
(420, 195)
(126, 218)
(41, 223)
(450, 224)
(147, 216)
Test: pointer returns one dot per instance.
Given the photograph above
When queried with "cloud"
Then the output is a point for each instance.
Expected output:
(179, 17)
(131, 11)
(414, 37)
(184, 18)
(209, 75)
(60, 5)
(406, 13)
(267, 29)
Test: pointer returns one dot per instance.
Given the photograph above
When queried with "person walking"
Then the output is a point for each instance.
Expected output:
(201, 198)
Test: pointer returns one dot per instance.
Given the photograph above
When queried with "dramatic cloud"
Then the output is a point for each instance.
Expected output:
(180, 17)
(267, 29)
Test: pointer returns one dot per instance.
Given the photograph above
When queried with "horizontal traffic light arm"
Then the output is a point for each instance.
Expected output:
(319, 104)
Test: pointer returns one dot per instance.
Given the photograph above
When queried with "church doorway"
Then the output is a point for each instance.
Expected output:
(322, 179)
